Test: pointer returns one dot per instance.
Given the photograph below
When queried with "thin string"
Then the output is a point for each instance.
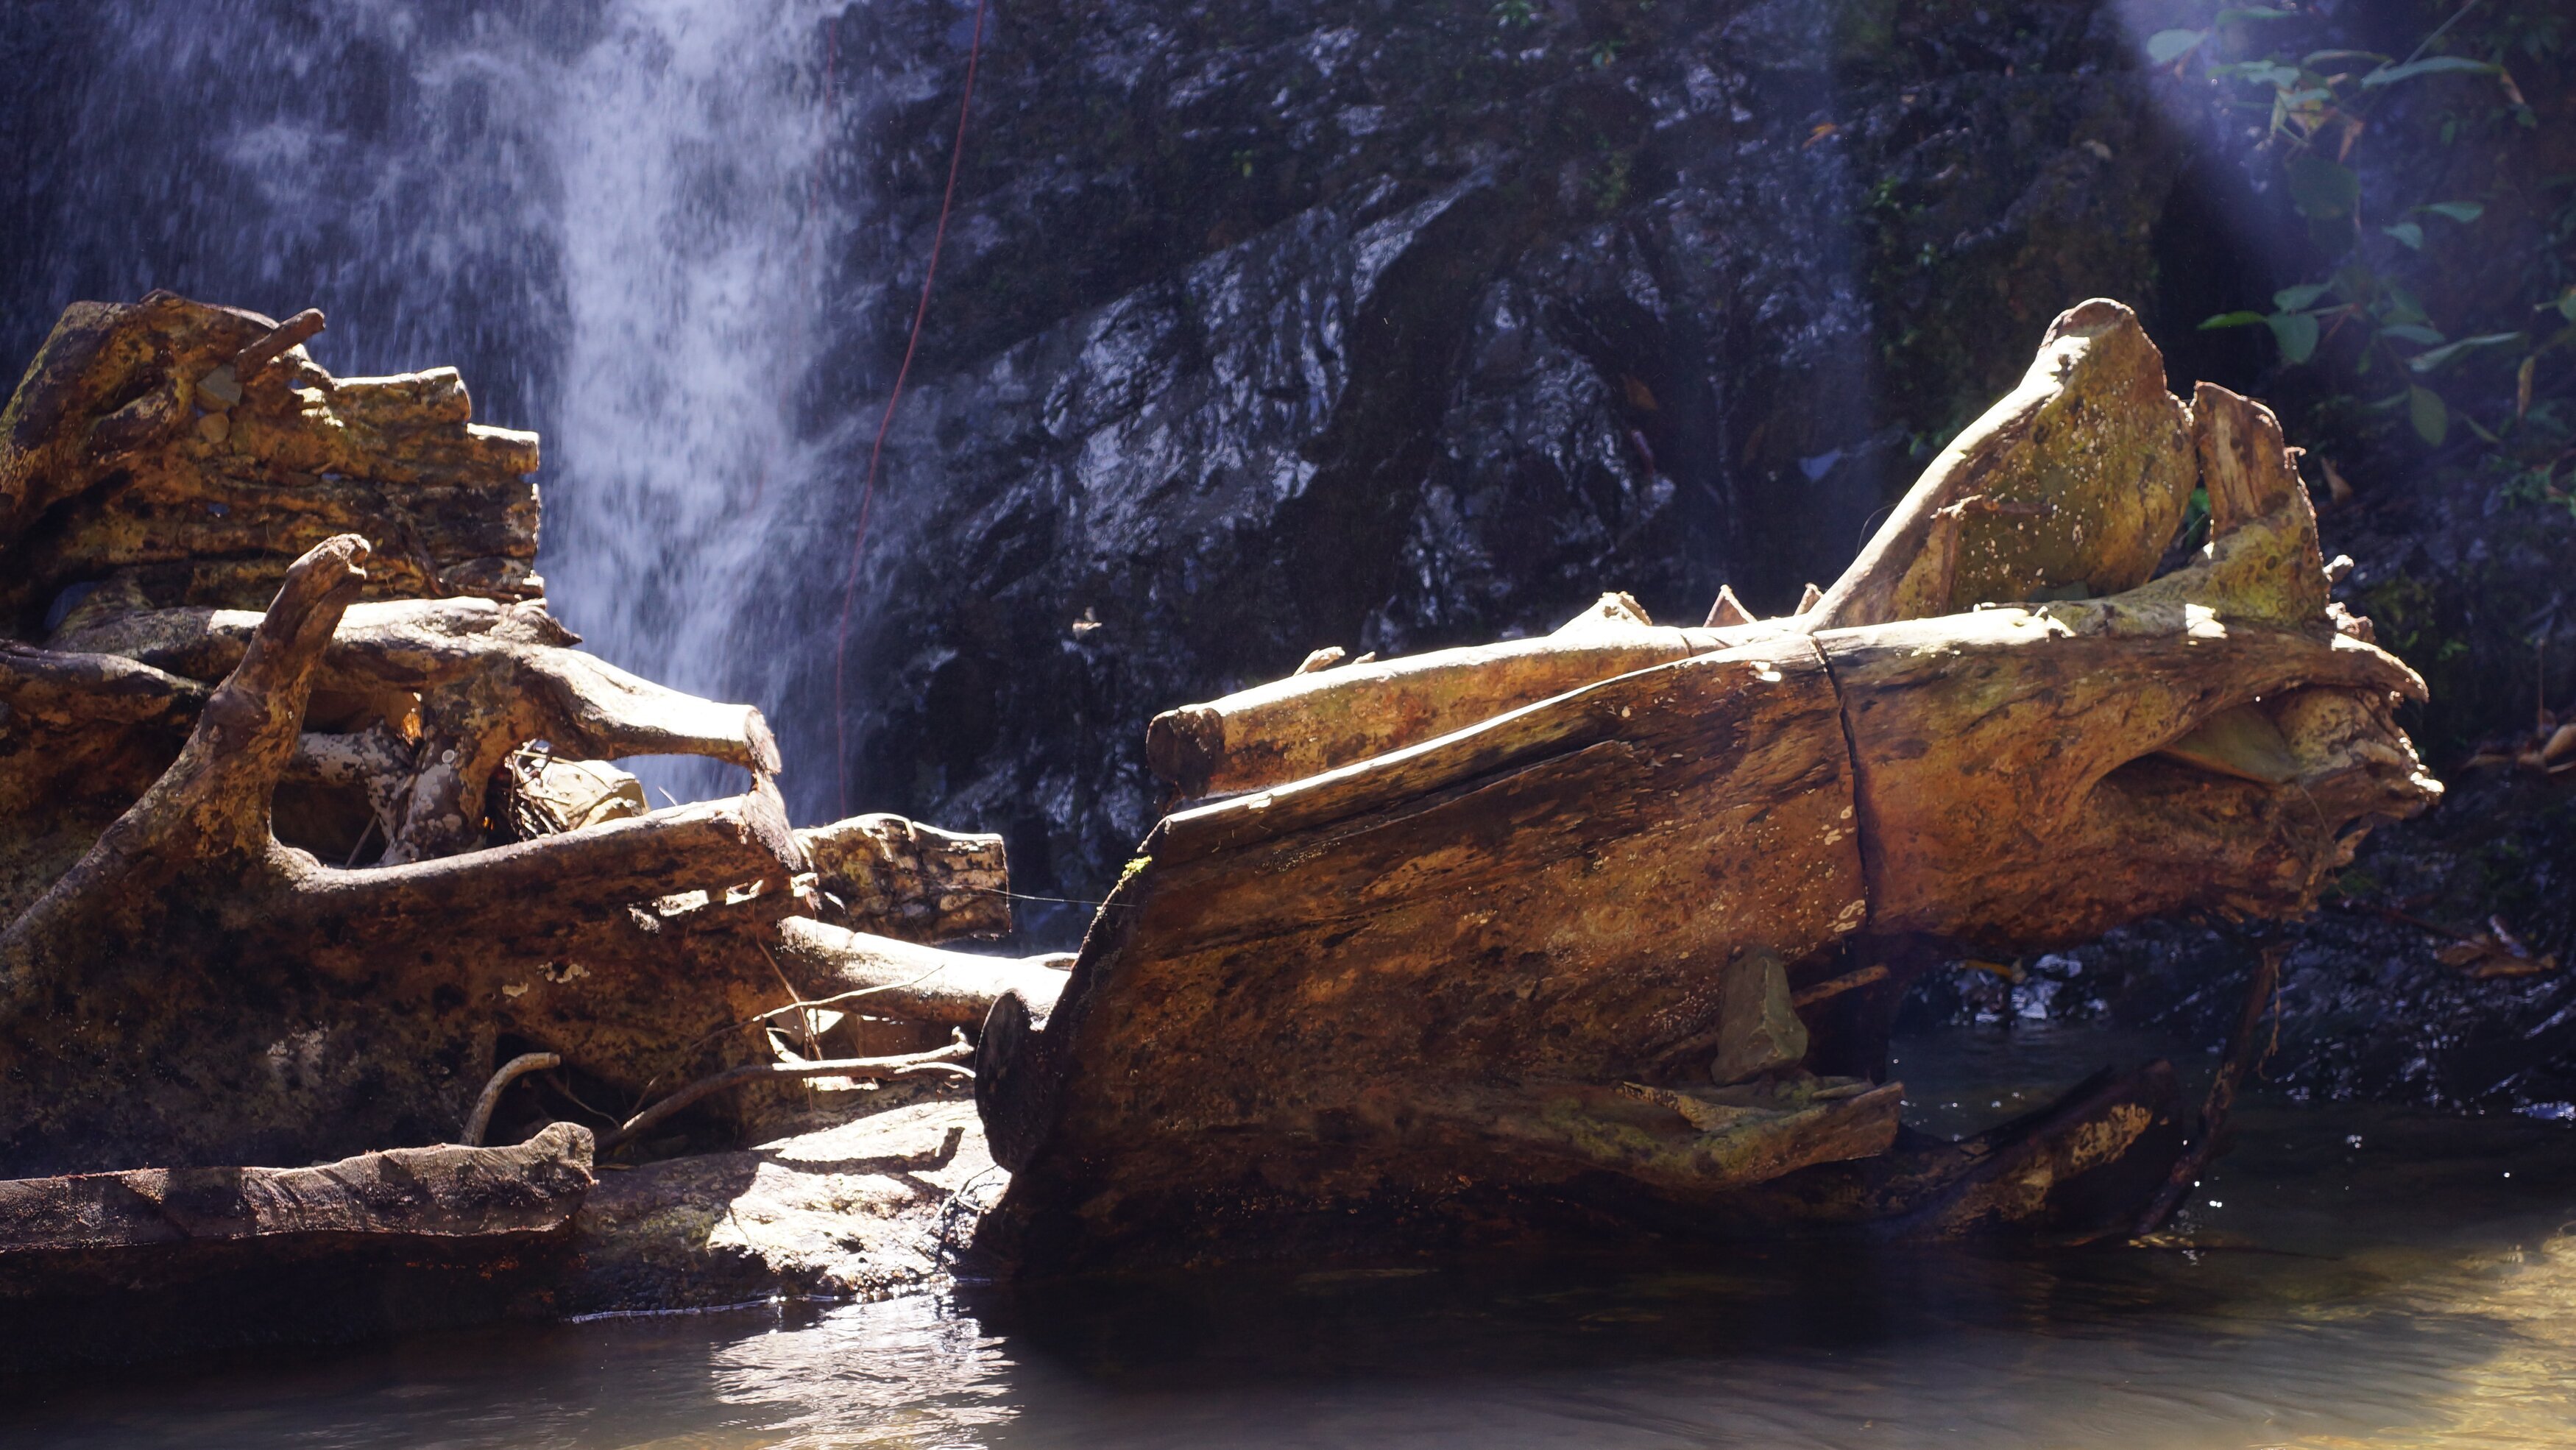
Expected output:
(868, 492)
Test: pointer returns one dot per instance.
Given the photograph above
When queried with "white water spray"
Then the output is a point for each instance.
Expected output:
(618, 216)
(695, 230)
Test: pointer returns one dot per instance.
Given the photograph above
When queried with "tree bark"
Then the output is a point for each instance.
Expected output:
(1468, 916)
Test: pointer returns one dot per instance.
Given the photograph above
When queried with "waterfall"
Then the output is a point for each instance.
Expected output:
(693, 236)
(616, 216)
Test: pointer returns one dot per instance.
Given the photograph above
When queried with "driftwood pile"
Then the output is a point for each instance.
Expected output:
(309, 846)
(1613, 924)
(279, 701)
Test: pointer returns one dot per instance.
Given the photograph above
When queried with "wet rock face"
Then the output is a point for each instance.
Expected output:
(1266, 328)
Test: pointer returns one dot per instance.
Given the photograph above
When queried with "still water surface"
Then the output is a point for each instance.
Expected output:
(2386, 1279)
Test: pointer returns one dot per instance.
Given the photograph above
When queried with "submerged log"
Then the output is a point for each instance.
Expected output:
(1523, 913)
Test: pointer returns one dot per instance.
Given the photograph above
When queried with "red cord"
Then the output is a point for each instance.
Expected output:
(868, 493)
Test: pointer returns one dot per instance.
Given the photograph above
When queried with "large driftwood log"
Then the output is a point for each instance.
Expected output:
(2070, 486)
(1644, 935)
(267, 893)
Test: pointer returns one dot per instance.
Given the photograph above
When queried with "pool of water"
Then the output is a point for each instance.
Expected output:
(2364, 1277)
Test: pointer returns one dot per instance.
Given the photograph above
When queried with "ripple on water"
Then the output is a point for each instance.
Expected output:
(2397, 1292)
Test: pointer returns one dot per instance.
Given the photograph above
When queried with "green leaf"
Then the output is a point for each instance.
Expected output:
(2412, 332)
(2389, 75)
(2234, 319)
(2252, 12)
(2296, 332)
(2167, 46)
(2567, 304)
(2315, 57)
(2319, 188)
(2462, 212)
(2425, 362)
(2408, 233)
(2261, 72)
(2291, 299)
(2431, 417)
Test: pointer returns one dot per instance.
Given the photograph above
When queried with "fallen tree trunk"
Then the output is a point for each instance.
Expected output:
(1448, 934)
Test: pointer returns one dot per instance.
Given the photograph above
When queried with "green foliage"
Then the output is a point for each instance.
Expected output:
(2361, 320)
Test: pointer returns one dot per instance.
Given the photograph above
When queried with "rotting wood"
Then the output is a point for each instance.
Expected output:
(1491, 885)
(260, 845)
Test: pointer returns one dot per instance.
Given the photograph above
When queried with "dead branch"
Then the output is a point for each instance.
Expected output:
(2246, 1050)
(477, 1121)
(908, 980)
(943, 1060)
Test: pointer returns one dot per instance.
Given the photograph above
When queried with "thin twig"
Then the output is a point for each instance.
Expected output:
(481, 1118)
(833, 1001)
(942, 1060)
(2242, 1054)
(1869, 976)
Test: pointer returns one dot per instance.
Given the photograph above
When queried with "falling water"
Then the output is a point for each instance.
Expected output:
(615, 215)
(693, 230)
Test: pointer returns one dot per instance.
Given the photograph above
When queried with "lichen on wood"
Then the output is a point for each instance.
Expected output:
(1476, 916)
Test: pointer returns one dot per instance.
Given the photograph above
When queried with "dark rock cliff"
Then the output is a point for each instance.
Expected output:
(1268, 326)
(1271, 327)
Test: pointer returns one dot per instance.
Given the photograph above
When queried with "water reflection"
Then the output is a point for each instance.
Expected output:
(2366, 1277)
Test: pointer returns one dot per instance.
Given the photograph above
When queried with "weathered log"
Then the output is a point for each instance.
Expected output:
(138, 454)
(121, 1266)
(2069, 486)
(1317, 721)
(1536, 902)
(325, 1007)
(1448, 896)
(466, 682)
(899, 878)
(908, 980)
(194, 968)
